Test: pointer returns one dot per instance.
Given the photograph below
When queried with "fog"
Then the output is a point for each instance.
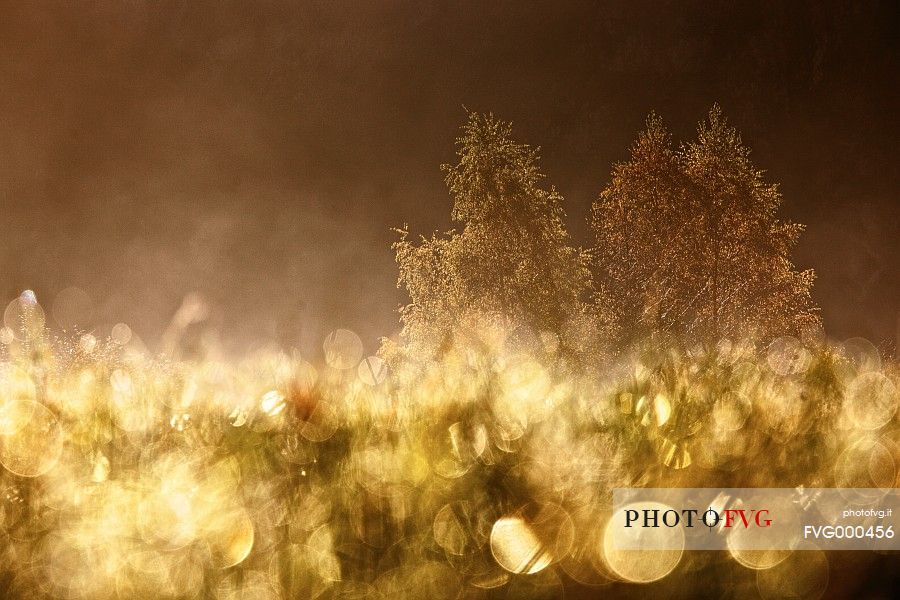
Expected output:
(259, 154)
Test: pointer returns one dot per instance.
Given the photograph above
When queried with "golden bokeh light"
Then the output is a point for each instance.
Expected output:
(31, 439)
(343, 349)
(532, 539)
(490, 472)
(517, 548)
(642, 566)
(802, 575)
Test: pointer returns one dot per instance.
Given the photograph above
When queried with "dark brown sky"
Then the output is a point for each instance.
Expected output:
(259, 153)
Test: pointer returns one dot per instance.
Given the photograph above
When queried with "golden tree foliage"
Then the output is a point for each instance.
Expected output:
(511, 266)
(689, 245)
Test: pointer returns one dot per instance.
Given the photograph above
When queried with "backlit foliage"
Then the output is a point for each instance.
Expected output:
(512, 263)
(689, 245)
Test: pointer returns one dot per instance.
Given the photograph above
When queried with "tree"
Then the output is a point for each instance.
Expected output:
(688, 243)
(511, 265)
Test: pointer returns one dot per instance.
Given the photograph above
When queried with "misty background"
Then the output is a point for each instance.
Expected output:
(259, 153)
